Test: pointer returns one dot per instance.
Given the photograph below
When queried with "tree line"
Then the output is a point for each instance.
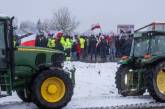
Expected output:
(62, 20)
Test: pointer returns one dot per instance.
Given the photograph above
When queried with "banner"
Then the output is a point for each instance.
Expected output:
(125, 29)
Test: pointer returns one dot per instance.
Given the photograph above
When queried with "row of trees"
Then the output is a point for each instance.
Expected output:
(62, 20)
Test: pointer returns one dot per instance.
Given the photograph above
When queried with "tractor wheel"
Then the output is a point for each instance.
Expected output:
(24, 95)
(156, 82)
(122, 80)
(52, 89)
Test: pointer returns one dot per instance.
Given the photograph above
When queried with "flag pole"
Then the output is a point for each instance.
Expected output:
(101, 30)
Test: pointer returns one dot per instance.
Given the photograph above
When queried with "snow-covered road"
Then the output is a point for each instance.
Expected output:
(95, 87)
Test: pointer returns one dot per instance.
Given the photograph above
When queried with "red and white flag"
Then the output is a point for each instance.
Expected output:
(29, 40)
(95, 26)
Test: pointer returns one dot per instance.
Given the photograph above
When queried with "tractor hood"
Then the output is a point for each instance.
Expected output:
(37, 49)
(36, 56)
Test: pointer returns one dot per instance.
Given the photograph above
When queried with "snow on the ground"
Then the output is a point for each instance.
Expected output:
(6, 100)
(95, 87)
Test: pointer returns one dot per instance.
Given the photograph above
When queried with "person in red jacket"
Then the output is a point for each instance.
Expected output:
(78, 50)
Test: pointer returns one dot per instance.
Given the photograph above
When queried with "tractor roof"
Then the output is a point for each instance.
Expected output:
(3, 16)
(148, 33)
(154, 26)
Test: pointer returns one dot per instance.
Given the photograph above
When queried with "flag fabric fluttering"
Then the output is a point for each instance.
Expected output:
(23, 36)
(29, 40)
(95, 26)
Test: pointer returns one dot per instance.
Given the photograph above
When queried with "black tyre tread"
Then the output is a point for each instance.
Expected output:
(68, 82)
(21, 95)
(118, 78)
(150, 81)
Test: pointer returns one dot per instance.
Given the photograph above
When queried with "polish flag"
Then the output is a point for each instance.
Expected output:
(95, 26)
(29, 40)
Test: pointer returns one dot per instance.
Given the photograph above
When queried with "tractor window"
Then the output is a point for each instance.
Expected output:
(141, 47)
(2, 41)
(158, 45)
(2, 46)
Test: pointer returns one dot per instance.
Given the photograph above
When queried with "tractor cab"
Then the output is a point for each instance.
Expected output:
(5, 44)
(145, 67)
(148, 43)
(6, 55)
(3, 59)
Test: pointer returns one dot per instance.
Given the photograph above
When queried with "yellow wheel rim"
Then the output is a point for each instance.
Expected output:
(161, 81)
(53, 89)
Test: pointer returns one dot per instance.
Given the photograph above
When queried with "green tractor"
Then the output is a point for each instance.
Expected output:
(145, 67)
(36, 74)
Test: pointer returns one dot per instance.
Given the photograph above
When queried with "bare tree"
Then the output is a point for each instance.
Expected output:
(43, 26)
(62, 20)
(27, 26)
(39, 25)
(46, 25)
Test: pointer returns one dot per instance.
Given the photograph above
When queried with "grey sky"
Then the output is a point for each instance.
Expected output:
(108, 13)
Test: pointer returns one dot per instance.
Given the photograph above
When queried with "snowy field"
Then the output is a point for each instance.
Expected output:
(95, 87)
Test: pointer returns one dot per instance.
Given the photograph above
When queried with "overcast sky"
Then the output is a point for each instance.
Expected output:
(109, 13)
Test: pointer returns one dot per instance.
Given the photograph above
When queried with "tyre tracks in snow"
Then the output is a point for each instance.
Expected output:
(151, 105)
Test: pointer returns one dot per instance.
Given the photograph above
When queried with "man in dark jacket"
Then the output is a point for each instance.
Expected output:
(103, 47)
(92, 47)
(74, 51)
(127, 46)
(41, 41)
(59, 45)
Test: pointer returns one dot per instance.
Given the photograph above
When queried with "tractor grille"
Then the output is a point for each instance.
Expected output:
(40, 59)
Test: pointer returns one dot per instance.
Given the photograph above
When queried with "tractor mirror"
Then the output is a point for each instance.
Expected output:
(15, 23)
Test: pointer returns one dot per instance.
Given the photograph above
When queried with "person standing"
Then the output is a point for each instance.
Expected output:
(113, 48)
(127, 46)
(41, 41)
(74, 51)
(62, 41)
(59, 45)
(103, 47)
(51, 42)
(82, 45)
(86, 45)
(68, 46)
(92, 47)
(118, 46)
(78, 49)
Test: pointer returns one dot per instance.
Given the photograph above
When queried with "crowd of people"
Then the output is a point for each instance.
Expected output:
(88, 48)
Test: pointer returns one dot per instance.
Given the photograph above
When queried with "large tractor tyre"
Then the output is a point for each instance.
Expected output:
(24, 95)
(52, 89)
(122, 80)
(156, 82)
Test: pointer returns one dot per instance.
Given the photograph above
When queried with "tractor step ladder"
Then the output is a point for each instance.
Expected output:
(5, 84)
